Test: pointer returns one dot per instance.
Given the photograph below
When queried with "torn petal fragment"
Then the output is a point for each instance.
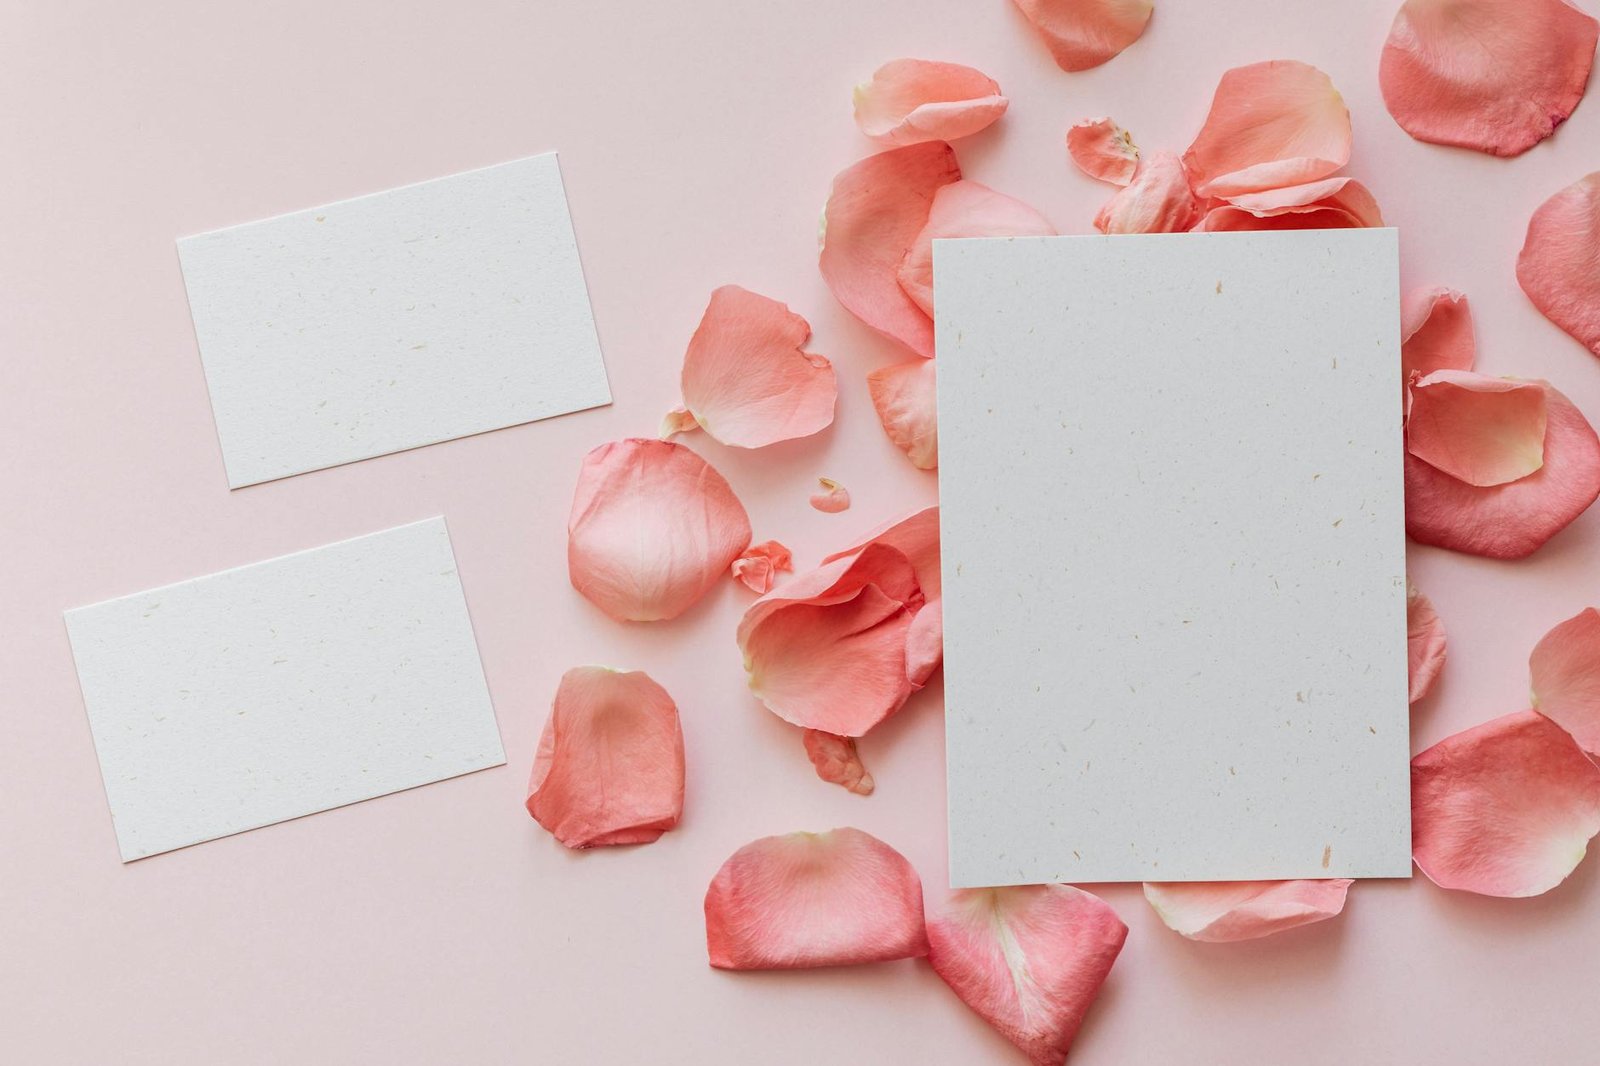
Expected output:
(758, 567)
(909, 101)
(1221, 912)
(1425, 645)
(1271, 125)
(678, 420)
(832, 498)
(1479, 429)
(1559, 267)
(964, 209)
(836, 760)
(1085, 33)
(1435, 332)
(1158, 201)
(1565, 673)
(1103, 150)
(905, 397)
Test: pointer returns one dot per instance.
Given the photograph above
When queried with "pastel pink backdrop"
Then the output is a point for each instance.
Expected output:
(697, 139)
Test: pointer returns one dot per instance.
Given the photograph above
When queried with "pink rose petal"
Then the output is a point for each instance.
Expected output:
(876, 210)
(814, 899)
(1506, 808)
(905, 397)
(916, 536)
(1495, 75)
(1565, 672)
(1512, 520)
(1476, 428)
(836, 760)
(1352, 207)
(1280, 200)
(964, 209)
(1029, 960)
(1103, 150)
(652, 528)
(1435, 332)
(909, 101)
(1221, 912)
(1085, 33)
(1271, 124)
(1158, 201)
(758, 567)
(832, 498)
(1424, 643)
(609, 769)
(1559, 267)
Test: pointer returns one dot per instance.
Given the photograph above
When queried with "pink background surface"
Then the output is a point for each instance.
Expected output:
(697, 139)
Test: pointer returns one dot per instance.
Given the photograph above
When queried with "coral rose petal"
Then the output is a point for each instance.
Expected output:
(1424, 643)
(832, 498)
(1085, 33)
(1479, 429)
(925, 643)
(964, 209)
(1271, 125)
(1565, 672)
(1158, 201)
(758, 566)
(1029, 960)
(876, 210)
(909, 101)
(814, 899)
(836, 760)
(1352, 207)
(1506, 808)
(916, 536)
(1512, 520)
(609, 769)
(652, 528)
(1103, 150)
(1435, 332)
(1221, 912)
(906, 399)
(1559, 267)
(1277, 201)
(1495, 75)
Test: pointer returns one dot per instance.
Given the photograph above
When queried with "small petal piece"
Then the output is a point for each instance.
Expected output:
(964, 209)
(1103, 150)
(1559, 267)
(1221, 912)
(1158, 201)
(1029, 960)
(814, 899)
(1565, 672)
(906, 399)
(678, 420)
(875, 212)
(1271, 124)
(1351, 207)
(610, 764)
(1495, 75)
(653, 526)
(1506, 808)
(1479, 429)
(909, 101)
(758, 567)
(836, 760)
(1424, 643)
(1435, 332)
(832, 498)
(1085, 33)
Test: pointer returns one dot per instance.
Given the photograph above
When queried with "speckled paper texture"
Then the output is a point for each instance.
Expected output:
(1174, 557)
(283, 688)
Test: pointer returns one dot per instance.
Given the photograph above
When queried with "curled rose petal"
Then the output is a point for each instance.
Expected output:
(875, 211)
(652, 528)
(1085, 33)
(1559, 267)
(1351, 207)
(1435, 332)
(814, 899)
(1512, 520)
(1158, 201)
(1565, 672)
(836, 760)
(1271, 125)
(1029, 960)
(964, 209)
(1424, 643)
(1495, 75)
(758, 567)
(832, 498)
(610, 764)
(906, 399)
(909, 101)
(1505, 808)
(1103, 150)
(1221, 912)
(1476, 428)
(916, 536)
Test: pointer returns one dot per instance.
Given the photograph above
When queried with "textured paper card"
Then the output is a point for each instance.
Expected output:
(393, 320)
(1174, 557)
(283, 688)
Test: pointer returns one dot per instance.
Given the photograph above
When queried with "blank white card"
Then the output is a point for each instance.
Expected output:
(1174, 557)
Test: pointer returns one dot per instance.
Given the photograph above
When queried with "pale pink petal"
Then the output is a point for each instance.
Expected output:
(1103, 150)
(831, 498)
(836, 760)
(1029, 960)
(814, 899)
(747, 378)
(964, 209)
(1271, 124)
(925, 643)
(1352, 207)
(1480, 429)
(1559, 267)
(909, 101)
(1512, 520)
(1565, 672)
(1085, 33)
(1221, 912)
(1435, 332)
(609, 769)
(758, 567)
(1495, 75)
(1424, 643)
(652, 528)
(875, 212)
(1280, 200)
(905, 397)
(1505, 808)
(1158, 201)
(678, 420)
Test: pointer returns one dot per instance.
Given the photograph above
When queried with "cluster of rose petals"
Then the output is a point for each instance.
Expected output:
(814, 899)
(836, 761)
(1086, 33)
(1495, 75)
(1029, 960)
(831, 497)
(757, 567)
(1425, 643)
(653, 526)
(1564, 673)
(909, 101)
(609, 769)
(1559, 267)
(916, 536)
(1221, 912)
